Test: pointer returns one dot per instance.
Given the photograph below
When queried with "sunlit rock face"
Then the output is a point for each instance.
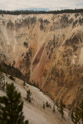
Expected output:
(50, 47)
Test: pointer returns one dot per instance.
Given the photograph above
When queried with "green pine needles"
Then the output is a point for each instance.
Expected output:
(11, 107)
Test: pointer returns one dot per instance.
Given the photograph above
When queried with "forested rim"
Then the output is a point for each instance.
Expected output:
(17, 12)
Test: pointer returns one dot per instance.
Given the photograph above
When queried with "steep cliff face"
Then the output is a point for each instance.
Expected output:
(51, 47)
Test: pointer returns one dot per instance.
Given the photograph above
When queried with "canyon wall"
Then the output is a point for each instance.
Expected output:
(50, 47)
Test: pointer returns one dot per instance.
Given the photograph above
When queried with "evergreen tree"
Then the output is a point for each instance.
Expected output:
(61, 108)
(29, 96)
(1, 75)
(43, 105)
(54, 108)
(48, 105)
(77, 114)
(80, 109)
(11, 107)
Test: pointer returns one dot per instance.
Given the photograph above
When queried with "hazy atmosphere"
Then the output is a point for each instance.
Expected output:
(40, 4)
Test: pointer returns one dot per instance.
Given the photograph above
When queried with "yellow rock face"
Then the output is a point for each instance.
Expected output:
(51, 47)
